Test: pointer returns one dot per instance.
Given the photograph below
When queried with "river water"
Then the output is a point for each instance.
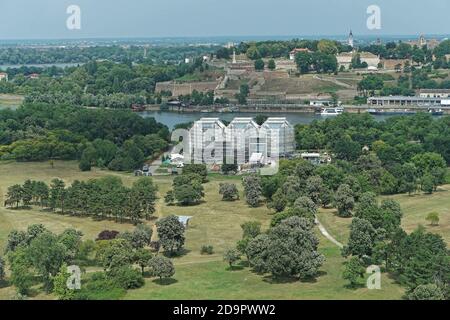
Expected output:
(170, 119)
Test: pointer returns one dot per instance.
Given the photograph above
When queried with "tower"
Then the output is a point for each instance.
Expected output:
(234, 56)
(350, 39)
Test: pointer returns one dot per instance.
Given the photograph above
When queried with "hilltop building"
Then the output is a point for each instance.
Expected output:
(3, 76)
(350, 41)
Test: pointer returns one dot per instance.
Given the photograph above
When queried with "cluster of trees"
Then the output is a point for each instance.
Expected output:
(120, 140)
(406, 153)
(103, 84)
(115, 53)
(187, 188)
(321, 62)
(288, 249)
(102, 198)
(39, 256)
(277, 49)
(419, 261)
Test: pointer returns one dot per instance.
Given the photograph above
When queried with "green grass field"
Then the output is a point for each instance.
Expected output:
(214, 222)
(415, 209)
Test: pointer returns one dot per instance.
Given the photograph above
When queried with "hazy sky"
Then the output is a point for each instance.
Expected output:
(31, 19)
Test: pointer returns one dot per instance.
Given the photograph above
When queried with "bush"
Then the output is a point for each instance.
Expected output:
(127, 277)
(99, 287)
(207, 249)
(107, 235)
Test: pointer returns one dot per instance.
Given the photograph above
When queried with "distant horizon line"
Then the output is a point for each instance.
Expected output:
(356, 35)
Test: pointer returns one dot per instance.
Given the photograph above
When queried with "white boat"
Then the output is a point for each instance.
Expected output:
(331, 111)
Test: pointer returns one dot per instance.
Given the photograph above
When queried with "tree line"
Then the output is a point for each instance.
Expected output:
(104, 198)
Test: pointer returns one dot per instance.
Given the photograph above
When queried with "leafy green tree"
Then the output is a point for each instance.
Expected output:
(427, 183)
(114, 254)
(144, 193)
(140, 237)
(57, 194)
(2, 269)
(292, 249)
(279, 201)
(314, 189)
(231, 256)
(426, 292)
(259, 65)
(344, 201)
(362, 239)
(433, 218)
(169, 198)
(14, 195)
(171, 233)
(60, 288)
(228, 191)
(256, 252)
(271, 65)
(353, 271)
(252, 189)
(199, 169)
(161, 267)
(46, 254)
(21, 275)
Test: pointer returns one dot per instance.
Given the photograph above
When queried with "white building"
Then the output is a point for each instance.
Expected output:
(434, 93)
(242, 141)
(3, 76)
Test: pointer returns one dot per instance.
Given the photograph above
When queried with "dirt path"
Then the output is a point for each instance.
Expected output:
(327, 235)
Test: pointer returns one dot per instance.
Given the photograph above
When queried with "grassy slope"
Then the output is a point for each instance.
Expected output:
(214, 222)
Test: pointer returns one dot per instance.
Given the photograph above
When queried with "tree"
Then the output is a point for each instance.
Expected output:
(433, 218)
(60, 288)
(362, 239)
(259, 65)
(279, 201)
(57, 194)
(252, 189)
(187, 194)
(14, 195)
(427, 183)
(161, 267)
(46, 254)
(314, 189)
(344, 200)
(426, 292)
(256, 252)
(271, 65)
(292, 249)
(142, 257)
(251, 229)
(353, 271)
(21, 275)
(260, 119)
(171, 233)
(199, 169)
(114, 254)
(140, 237)
(228, 191)
(2, 269)
(231, 256)
(304, 61)
(144, 193)
(169, 198)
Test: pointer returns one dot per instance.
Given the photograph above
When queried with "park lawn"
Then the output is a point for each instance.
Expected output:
(213, 222)
(214, 280)
(415, 209)
(9, 100)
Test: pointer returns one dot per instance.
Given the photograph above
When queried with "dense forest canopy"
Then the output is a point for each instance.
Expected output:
(118, 139)
(113, 53)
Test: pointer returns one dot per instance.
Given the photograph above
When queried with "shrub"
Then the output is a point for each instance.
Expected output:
(107, 235)
(207, 249)
(127, 278)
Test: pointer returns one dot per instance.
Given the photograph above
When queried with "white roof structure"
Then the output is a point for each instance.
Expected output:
(184, 220)
(175, 156)
(256, 158)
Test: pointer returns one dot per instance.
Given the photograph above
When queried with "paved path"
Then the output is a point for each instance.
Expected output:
(327, 235)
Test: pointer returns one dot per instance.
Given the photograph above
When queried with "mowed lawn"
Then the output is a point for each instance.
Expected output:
(213, 222)
(415, 210)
